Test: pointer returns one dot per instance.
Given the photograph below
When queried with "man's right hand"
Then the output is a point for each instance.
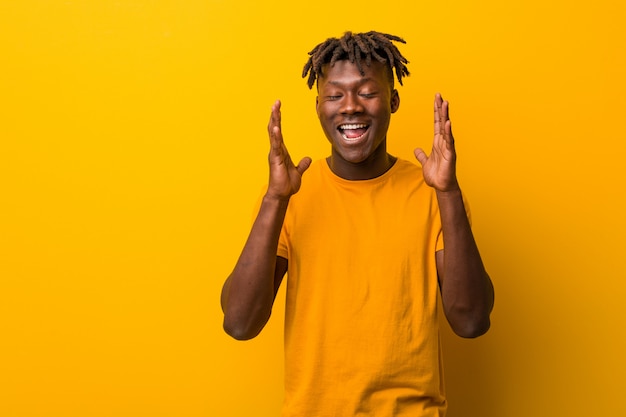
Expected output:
(285, 177)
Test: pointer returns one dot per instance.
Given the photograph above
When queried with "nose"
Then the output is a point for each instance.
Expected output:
(351, 104)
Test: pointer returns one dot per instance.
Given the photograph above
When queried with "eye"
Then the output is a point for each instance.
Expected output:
(333, 97)
(368, 94)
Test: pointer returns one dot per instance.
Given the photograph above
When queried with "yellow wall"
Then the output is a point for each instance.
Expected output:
(133, 145)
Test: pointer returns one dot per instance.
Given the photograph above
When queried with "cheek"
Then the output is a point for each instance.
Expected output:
(324, 120)
(382, 114)
(324, 113)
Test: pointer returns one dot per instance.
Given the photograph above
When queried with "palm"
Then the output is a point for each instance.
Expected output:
(439, 169)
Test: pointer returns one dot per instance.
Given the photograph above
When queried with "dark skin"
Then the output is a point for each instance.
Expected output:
(348, 99)
(355, 111)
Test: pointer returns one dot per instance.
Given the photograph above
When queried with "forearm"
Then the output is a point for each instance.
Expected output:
(467, 291)
(248, 293)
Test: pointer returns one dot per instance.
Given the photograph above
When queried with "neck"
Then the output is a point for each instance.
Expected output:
(374, 166)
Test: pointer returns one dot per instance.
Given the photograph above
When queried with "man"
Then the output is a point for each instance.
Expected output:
(362, 237)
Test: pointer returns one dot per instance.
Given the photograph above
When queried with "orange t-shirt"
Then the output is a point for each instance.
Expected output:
(361, 325)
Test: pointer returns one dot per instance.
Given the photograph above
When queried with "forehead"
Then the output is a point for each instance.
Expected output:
(346, 72)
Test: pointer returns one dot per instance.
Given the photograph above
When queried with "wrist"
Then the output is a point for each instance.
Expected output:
(277, 200)
(450, 189)
(450, 194)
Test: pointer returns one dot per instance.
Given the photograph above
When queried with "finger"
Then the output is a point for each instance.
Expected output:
(277, 113)
(421, 156)
(439, 99)
(438, 115)
(447, 123)
(303, 165)
(275, 116)
(274, 128)
(444, 111)
(276, 139)
(447, 137)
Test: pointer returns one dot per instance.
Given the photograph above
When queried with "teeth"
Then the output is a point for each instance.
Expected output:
(353, 126)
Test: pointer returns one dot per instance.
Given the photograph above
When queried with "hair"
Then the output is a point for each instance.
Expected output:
(357, 47)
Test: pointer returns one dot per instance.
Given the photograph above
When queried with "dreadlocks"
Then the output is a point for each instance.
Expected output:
(356, 47)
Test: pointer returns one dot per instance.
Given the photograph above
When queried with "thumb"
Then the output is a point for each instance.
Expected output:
(303, 165)
(421, 156)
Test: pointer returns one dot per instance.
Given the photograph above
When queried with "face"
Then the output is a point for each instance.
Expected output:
(354, 111)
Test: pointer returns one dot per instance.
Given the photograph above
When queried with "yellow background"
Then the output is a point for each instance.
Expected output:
(133, 147)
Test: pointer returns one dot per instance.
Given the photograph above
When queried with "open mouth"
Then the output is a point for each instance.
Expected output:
(353, 132)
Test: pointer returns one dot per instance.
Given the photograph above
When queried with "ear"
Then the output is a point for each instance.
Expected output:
(395, 101)
(317, 105)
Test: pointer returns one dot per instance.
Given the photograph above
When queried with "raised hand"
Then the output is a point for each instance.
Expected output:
(285, 177)
(439, 169)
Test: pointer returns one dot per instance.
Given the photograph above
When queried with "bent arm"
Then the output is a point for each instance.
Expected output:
(249, 292)
(466, 289)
